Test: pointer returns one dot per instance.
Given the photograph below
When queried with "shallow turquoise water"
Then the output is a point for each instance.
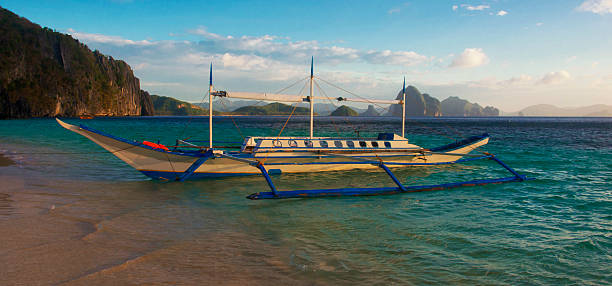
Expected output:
(556, 229)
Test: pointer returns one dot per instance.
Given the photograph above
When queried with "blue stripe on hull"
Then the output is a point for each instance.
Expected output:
(161, 175)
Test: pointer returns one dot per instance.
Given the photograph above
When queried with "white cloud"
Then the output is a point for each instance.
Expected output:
(266, 46)
(493, 83)
(158, 83)
(398, 9)
(539, 24)
(475, 8)
(283, 50)
(519, 80)
(99, 38)
(471, 57)
(244, 62)
(455, 7)
(502, 13)
(388, 57)
(596, 6)
(555, 77)
(393, 11)
(203, 32)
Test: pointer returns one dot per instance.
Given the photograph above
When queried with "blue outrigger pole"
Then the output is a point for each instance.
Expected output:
(400, 188)
(275, 194)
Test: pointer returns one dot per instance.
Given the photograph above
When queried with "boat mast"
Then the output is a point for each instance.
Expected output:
(404, 107)
(210, 110)
(311, 98)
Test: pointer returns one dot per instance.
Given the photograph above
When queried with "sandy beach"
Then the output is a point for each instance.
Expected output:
(72, 215)
(52, 233)
(5, 161)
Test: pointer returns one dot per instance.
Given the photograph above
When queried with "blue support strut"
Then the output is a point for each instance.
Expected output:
(268, 179)
(194, 167)
(515, 173)
(385, 190)
(397, 182)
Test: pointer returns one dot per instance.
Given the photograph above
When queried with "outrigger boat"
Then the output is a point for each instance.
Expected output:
(277, 155)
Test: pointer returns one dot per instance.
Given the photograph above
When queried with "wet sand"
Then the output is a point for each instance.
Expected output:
(97, 233)
(5, 161)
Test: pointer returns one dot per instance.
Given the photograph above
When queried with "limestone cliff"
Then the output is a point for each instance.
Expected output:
(45, 73)
(371, 111)
(417, 104)
(455, 106)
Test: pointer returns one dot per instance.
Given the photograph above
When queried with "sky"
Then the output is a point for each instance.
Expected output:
(508, 54)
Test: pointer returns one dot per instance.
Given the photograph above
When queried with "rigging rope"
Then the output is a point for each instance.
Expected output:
(411, 120)
(333, 104)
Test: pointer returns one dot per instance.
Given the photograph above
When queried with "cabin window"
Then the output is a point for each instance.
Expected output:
(350, 144)
(388, 144)
(277, 143)
(308, 143)
(323, 144)
(338, 144)
(293, 143)
(374, 144)
(362, 144)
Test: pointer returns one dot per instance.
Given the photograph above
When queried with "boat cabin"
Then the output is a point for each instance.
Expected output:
(384, 141)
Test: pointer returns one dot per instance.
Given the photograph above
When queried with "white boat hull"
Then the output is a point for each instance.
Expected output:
(170, 165)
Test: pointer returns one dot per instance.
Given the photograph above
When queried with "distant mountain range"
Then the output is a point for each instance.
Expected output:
(225, 105)
(598, 110)
(418, 104)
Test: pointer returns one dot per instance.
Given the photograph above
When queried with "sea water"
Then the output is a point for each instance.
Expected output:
(71, 212)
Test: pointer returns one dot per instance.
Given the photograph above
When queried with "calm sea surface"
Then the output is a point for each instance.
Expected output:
(72, 213)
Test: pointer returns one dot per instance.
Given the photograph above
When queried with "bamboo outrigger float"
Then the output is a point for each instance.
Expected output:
(277, 155)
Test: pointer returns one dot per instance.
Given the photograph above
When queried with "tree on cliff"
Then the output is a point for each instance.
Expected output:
(46, 73)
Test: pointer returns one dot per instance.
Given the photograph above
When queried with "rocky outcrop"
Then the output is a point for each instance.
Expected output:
(455, 106)
(45, 73)
(344, 111)
(164, 105)
(417, 104)
(432, 106)
(146, 104)
(371, 111)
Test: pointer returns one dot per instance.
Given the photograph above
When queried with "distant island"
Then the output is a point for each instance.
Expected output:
(165, 105)
(271, 109)
(371, 111)
(597, 110)
(344, 111)
(418, 104)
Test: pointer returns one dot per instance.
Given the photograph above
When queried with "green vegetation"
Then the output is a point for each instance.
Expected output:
(46, 73)
(164, 105)
(344, 111)
(271, 109)
(455, 106)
